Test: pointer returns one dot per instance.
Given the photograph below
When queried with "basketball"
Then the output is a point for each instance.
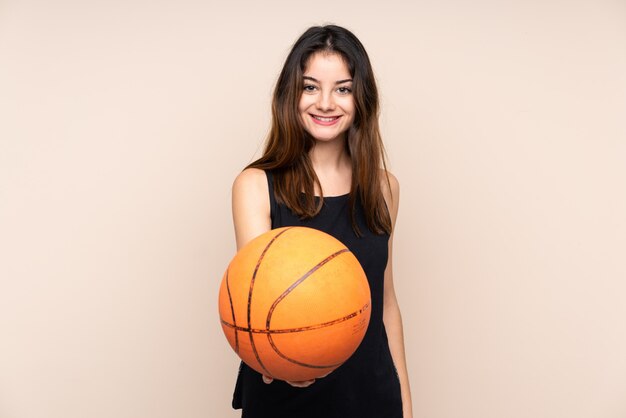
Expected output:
(294, 303)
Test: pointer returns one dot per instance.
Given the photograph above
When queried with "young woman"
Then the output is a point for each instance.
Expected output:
(323, 167)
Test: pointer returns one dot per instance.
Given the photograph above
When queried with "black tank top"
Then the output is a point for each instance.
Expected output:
(367, 384)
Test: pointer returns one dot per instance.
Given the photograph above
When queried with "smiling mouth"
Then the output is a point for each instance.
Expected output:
(325, 119)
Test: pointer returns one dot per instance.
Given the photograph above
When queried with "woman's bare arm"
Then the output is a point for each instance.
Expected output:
(251, 217)
(391, 311)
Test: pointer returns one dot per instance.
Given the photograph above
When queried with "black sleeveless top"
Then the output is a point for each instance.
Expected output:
(367, 384)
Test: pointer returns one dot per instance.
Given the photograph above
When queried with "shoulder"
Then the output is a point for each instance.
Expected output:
(250, 205)
(250, 190)
(250, 180)
(390, 187)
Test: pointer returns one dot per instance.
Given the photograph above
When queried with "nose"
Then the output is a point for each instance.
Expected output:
(325, 101)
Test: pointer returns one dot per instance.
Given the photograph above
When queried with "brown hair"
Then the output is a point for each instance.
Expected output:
(287, 146)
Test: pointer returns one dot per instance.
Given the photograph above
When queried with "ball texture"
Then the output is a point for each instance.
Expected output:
(294, 303)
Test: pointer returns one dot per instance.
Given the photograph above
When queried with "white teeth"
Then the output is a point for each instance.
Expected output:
(325, 119)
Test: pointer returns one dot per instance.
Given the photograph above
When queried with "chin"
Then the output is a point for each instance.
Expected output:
(326, 138)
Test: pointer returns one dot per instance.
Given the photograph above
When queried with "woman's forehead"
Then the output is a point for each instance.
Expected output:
(327, 62)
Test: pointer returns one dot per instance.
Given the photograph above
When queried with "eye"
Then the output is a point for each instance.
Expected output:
(344, 90)
(309, 87)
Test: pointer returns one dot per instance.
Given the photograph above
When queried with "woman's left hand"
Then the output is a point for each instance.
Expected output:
(300, 384)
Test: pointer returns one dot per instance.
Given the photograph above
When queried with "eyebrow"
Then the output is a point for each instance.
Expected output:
(306, 77)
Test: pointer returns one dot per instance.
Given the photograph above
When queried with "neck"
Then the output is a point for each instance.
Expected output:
(329, 156)
(333, 167)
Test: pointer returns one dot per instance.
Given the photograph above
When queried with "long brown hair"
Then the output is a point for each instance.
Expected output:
(288, 144)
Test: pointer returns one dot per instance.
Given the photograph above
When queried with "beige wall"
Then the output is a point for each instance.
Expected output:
(123, 123)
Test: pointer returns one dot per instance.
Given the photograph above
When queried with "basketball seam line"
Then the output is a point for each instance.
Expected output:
(256, 269)
(298, 329)
(232, 310)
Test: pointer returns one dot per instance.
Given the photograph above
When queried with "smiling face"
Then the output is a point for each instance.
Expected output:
(326, 105)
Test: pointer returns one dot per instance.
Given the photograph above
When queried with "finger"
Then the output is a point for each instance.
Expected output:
(302, 384)
(325, 375)
(267, 379)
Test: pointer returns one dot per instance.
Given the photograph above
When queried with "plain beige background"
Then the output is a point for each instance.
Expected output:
(123, 123)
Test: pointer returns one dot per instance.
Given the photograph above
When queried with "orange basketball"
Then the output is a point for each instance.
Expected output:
(294, 303)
